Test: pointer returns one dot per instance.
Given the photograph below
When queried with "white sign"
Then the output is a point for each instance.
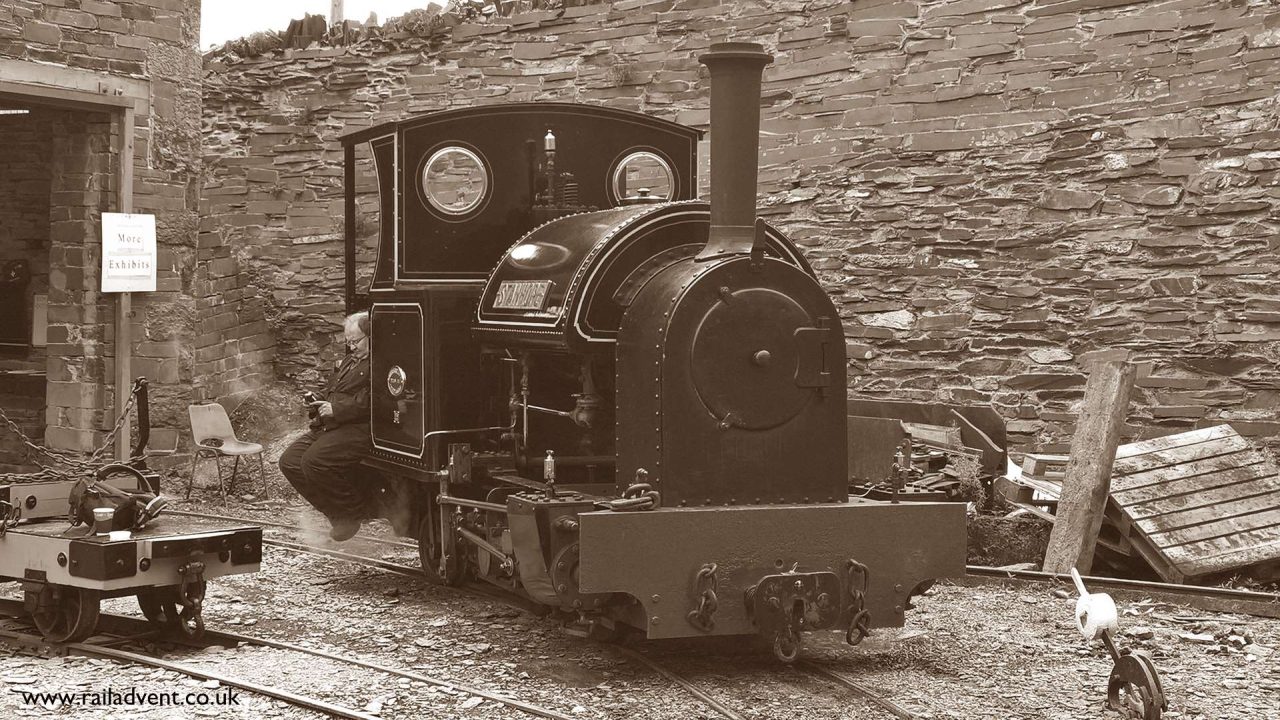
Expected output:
(128, 252)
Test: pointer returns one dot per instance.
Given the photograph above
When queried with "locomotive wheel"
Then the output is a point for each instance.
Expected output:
(429, 553)
(66, 614)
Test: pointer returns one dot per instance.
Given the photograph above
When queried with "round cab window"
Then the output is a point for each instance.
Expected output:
(454, 180)
(643, 177)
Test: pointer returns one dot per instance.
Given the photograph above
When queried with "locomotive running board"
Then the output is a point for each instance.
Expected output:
(655, 556)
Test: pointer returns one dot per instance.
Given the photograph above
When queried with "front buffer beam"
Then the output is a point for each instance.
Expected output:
(810, 566)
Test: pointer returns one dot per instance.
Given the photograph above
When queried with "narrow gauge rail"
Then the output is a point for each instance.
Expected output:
(127, 629)
(479, 590)
(1213, 599)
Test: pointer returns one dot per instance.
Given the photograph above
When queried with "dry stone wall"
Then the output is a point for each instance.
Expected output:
(993, 190)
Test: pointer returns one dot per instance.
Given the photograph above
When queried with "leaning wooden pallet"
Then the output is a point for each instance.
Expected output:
(1199, 504)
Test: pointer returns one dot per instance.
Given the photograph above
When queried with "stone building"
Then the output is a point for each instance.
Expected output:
(99, 112)
(992, 189)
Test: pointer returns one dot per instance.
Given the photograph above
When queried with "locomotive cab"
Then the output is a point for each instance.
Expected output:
(595, 390)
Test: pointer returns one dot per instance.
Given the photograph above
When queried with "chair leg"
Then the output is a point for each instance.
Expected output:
(222, 489)
(191, 479)
(231, 484)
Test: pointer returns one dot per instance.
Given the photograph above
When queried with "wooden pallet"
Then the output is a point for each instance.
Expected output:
(1040, 482)
(1198, 503)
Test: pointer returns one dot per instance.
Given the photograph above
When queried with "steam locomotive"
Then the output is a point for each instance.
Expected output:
(601, 393)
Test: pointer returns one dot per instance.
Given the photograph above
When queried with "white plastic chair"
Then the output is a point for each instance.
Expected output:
(214, 437)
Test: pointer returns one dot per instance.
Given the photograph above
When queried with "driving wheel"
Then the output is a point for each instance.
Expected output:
(438, 573)
(65, 614)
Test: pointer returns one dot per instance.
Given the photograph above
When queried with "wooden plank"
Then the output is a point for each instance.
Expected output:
(1032, 509)
(1165, 566)
(1011, 491)
(1172, 441)
(1087, 483)
(1269, 518)
(123, 341)
(89, 89)
(1217, 463)
(64, 98)
(1039, 464)
(1226, 553)
(943, 436)
(972, 436)
(1174, 456)
(1223, 513)
(1244, 487)
(1048, 487)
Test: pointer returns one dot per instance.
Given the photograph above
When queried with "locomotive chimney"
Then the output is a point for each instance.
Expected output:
(735, 145)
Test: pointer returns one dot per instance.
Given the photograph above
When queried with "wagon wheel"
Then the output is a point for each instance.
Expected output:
(429, 551)
(160, 606)
(66, 614)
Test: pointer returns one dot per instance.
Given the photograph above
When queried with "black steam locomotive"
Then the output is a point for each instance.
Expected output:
(597, 391)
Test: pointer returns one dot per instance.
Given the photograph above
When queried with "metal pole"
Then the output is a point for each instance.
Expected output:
(349, 225)
(124, 301)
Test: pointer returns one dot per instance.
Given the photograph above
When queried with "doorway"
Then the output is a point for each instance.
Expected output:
(58, 173)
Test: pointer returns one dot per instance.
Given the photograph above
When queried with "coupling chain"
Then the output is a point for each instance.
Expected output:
(860, 616)
(638, 496)
(10, 514)
(191, 597)
(703, 616)
(78, 466)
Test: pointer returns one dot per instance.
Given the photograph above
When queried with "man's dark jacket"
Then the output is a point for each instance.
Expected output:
(348, 392)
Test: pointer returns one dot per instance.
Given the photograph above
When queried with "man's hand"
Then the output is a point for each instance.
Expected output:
(323, 408)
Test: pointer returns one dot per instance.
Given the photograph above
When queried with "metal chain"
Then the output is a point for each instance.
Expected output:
(637, 496)
(860, 620)
(77, 466)
(10, 514)
(703, 616)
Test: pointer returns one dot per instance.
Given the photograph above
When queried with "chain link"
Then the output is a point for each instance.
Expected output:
(860, 622)
(77, 467)
(10, 514)
(703, 616)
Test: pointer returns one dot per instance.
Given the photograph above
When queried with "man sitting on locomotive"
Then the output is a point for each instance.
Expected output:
(318, 463)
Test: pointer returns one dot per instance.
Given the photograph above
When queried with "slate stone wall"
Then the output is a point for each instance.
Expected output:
(992, 190)
(147, 49)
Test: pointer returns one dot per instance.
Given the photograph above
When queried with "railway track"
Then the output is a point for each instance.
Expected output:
(286, 537)
(120, 629)
(859, 691)
(1213, 599)
(1249, 602)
